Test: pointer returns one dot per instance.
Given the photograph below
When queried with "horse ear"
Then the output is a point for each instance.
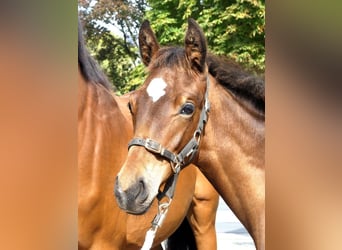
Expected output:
(148, 43)
(195, 45)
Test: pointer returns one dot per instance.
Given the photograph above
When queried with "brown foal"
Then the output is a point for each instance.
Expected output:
(193, 98)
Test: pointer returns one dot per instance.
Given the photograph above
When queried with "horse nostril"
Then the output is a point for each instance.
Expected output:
(141, 188)
(141, 195)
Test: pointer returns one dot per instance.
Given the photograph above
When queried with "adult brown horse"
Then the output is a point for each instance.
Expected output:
(172, 121)
(104, 130)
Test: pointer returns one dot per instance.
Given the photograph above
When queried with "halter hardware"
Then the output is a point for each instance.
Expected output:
(153, 146)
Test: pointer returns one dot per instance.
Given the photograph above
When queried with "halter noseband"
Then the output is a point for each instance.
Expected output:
(186, 155)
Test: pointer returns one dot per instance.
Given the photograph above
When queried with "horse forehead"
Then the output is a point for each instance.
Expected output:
(156, 88)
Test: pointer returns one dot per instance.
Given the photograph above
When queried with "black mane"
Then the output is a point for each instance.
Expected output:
(230, 75)
(240, 82)
(90, 69)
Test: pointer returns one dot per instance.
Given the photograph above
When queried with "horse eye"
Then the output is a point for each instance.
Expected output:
(187, 109)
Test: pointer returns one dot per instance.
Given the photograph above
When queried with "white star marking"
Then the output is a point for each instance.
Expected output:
(156, 89)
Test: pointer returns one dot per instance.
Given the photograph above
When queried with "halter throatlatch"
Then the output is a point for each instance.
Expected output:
(177, 161)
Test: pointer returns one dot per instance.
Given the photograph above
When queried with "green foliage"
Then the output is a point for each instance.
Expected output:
(136, 79)
(118, 55)
(234, 28)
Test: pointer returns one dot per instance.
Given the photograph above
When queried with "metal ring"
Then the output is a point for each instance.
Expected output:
(175, 167)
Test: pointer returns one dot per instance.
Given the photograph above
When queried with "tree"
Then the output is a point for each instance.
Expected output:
(117, 53)
(234, 28)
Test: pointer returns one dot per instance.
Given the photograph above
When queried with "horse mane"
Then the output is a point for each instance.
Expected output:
(229, 74)
(237, 80)
(90, 69)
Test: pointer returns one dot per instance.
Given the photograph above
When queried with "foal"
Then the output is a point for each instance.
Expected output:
(197, 108)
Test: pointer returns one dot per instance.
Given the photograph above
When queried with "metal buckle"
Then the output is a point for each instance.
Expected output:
(153, 146)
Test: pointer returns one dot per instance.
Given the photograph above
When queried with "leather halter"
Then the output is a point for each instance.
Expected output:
(185, 156)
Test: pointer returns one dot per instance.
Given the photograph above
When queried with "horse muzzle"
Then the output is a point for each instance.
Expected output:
(134, 199)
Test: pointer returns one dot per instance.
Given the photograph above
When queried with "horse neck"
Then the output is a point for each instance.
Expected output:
(232, 156)
(102, 140)
(102, 134)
